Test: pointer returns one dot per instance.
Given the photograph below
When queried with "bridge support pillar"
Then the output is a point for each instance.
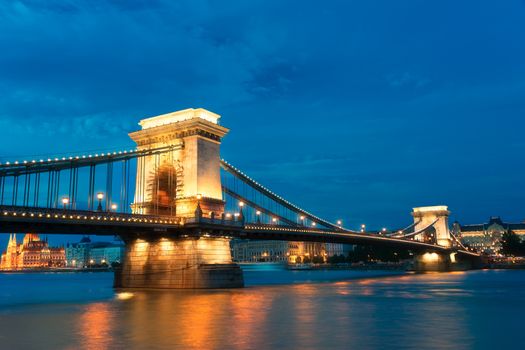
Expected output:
(179, 263)
(427, 262)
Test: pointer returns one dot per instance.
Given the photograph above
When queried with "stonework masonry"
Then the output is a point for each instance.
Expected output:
(179, 263)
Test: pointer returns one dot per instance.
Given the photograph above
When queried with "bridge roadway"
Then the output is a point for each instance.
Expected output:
(56, 221)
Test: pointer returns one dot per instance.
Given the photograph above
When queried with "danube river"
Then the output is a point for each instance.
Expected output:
(277, 310)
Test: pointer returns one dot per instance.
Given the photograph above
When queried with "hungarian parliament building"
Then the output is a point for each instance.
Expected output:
(33, 252)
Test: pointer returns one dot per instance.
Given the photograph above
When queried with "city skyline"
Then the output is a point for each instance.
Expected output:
(344, 122)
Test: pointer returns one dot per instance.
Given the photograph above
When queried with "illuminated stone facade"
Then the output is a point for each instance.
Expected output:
(436, 215)
(169, 183)
(486, 237)
(184, 182)
(31, 253)
(179, 263)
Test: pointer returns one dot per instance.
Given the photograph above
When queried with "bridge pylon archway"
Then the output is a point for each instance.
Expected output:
(172, 183)
(437, 218)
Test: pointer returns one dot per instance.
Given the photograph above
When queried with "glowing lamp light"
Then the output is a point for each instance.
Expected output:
(258, 212)
(65, 201)
(274, 219)
(313, 224)
(100, 196)
(114, 206)
(241, 204)
(339, 222)
(199, 196)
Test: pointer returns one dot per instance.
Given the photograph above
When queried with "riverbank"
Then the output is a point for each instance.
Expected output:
(59, 270)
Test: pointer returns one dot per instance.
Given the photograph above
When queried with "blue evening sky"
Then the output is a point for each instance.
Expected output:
(357, 110)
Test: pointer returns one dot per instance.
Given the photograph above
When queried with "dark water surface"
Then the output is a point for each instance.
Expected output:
(278, 309)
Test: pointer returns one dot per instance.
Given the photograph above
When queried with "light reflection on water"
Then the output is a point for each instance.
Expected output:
(478, 309)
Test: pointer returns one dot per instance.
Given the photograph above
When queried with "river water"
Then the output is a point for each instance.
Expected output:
(277, 310)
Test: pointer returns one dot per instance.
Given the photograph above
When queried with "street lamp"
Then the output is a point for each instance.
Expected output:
(258, 214)
(100, 197)
(274, 220)
(65, 202)
(114, 207)
(241, 204)
(302, 219)
(339, 222)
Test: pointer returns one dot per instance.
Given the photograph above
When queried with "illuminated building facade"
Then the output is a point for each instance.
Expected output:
(486, 237)
(86, 253)
(31, 253)
(282, 251)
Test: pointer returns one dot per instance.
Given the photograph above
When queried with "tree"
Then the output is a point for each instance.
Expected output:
(318, 260)
(511, 244)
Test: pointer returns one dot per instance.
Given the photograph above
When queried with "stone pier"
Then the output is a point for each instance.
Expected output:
(179, 263)
(432, 261)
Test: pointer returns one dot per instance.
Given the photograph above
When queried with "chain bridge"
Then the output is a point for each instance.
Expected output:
(176, 204)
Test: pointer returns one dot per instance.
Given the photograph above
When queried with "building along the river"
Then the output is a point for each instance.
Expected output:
(86, 253)
(486, 237)
(33, 252)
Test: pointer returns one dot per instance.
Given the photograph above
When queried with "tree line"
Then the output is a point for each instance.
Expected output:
(511, 244)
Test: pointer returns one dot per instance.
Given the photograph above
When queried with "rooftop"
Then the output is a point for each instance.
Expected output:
(178, 116)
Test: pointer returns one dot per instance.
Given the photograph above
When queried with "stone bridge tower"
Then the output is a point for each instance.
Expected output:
(175, 183)
(425, 216)
(169, 183)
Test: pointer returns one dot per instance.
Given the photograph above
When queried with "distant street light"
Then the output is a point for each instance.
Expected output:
(114, 207)
(100, 197)
(65, 202)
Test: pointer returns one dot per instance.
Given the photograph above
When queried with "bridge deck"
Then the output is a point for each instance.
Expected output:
(40, 220)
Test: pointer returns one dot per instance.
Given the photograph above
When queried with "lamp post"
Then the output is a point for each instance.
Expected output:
(100, 197)
(258, 214)
(65, 202)
(114, 207)
(302, 220)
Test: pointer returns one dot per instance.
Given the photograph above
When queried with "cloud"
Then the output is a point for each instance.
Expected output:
(373, 100)
(407, 79)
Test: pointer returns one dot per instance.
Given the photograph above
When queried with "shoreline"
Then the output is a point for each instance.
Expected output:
(58, 270)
